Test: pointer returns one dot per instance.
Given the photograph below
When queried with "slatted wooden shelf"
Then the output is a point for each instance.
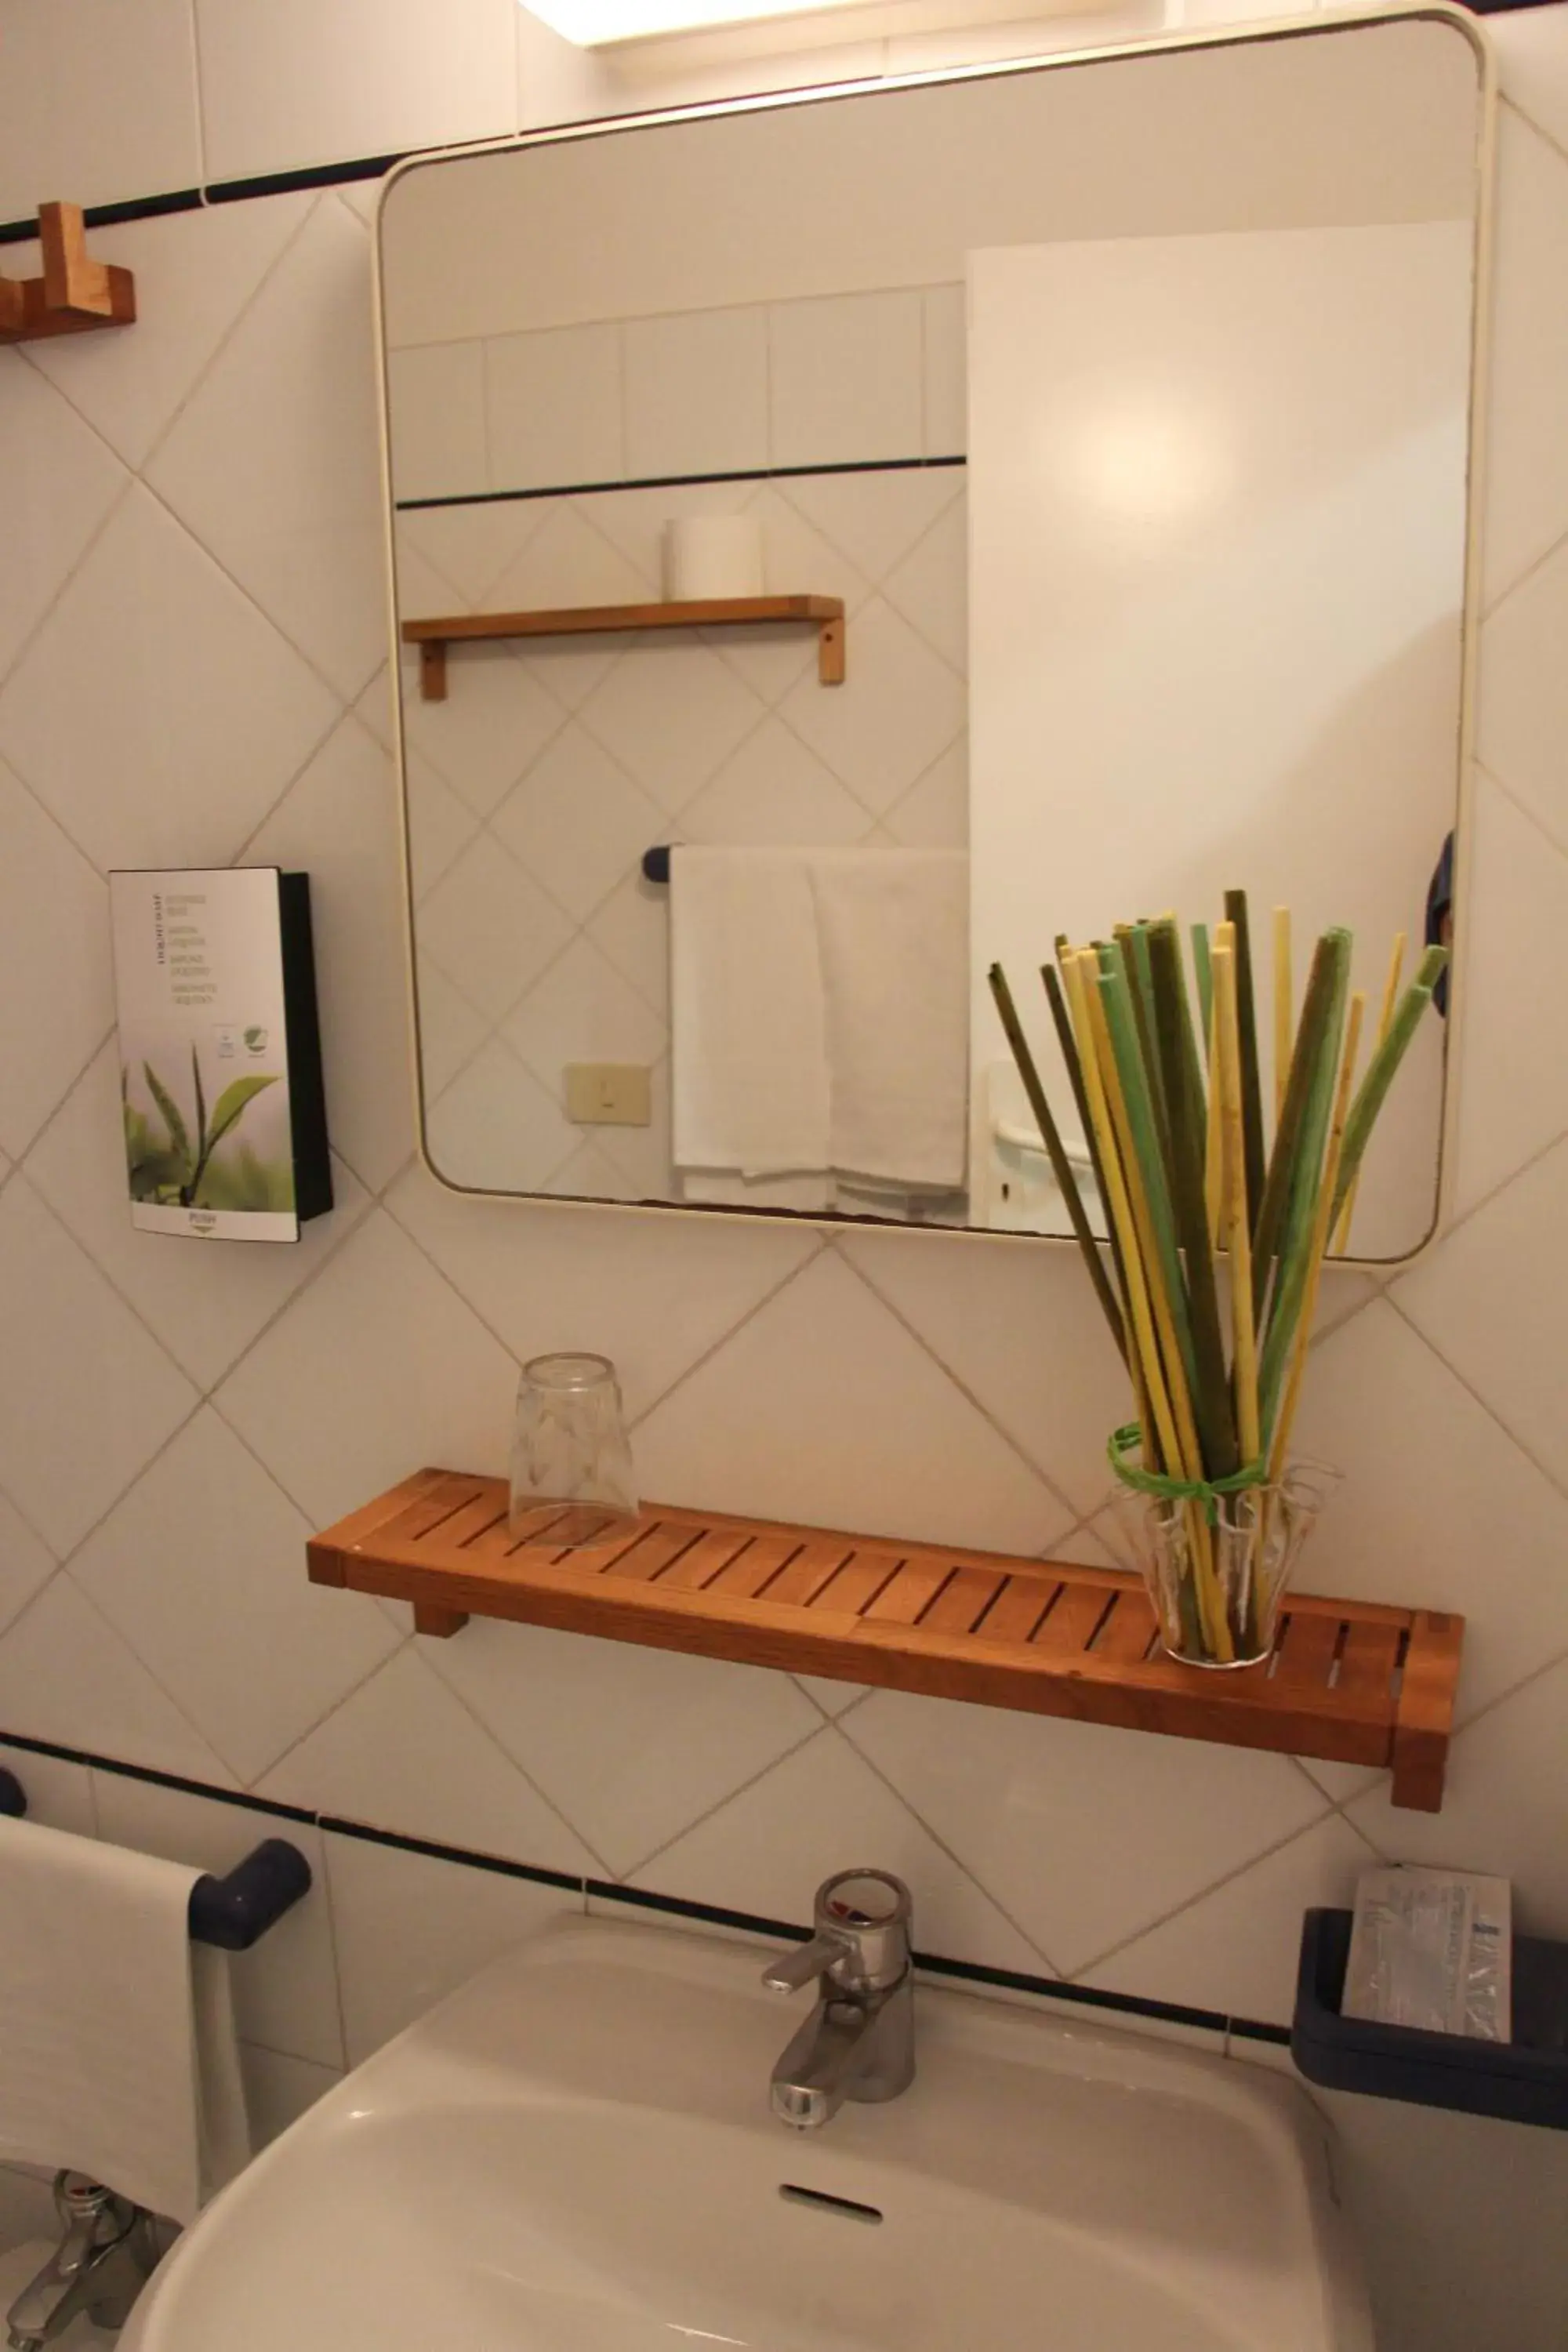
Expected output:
(1350, 1682)
(433, 638)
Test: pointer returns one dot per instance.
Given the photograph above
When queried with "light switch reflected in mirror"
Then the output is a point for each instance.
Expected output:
(1116, 478)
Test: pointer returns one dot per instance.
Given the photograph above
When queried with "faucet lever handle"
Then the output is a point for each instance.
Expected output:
(797, 1966)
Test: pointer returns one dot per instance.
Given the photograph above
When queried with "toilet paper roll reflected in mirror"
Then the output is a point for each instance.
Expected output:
(708, 556)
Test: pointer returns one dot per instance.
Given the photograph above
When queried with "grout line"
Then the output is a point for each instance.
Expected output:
(1552, 1477)
(1191, 1903)
(1537, 564)
(1045, 1477)
(774, 1291)
(742, 1789)
(902, 1797)
(547, 1800)
(198, 92)
(11, 670)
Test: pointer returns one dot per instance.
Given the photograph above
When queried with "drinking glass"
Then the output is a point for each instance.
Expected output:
(572, 1477)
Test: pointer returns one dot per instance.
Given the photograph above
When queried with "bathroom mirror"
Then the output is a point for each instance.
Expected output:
(841, 540)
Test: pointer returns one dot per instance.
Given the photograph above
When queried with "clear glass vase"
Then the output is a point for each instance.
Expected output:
(572, 1477)
(1215, 1587)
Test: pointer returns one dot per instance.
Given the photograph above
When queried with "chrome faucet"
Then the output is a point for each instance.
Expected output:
(860, 2041)
(100, 2265)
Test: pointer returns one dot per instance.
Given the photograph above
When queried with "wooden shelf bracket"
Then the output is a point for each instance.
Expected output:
(826, 613)
(75, 296)
(1350, 1682)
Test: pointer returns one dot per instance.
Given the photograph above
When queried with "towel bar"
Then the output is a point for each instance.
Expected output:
(233, 1912)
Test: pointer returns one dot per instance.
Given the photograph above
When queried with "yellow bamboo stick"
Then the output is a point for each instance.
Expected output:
(1244, 1358)
(1341, 1241)
(1117, 1203)
(1320, 1222)
(1284, 1008)
(1187, 1457)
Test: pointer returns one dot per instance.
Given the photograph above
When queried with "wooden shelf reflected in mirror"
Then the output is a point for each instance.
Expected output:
(825, 613)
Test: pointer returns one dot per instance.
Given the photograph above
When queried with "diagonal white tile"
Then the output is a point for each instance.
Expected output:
(489, 927)
(930, 587)
(1493, 1298)
(496, 1129)
(64, 120)
(204, 1303)
(1439, 1507)
(411, 1929)
(631, 1745)
(632, 929)
(49, 893)
(285, 1988)
(1527, 461)
(1017, 1323)
(774, 793)
(206, 265)
(901, 705)
(26, 1563)
(62, 483)
(671, 712)
(201, 1568)
(66, 1675)
(577, 822)
(1503, 1805)
(471, 546)
(451, 1031)
(822, 1809)
(876, 519)
(273, 463)
(934, 812)
(1533, 64)
(440, 826)
(1007, 1792)
(653, 1297)
(80, 1416)
(339, 824)
(377, 1370)
(580, 1010)
(823, 1408)
(1236, 1950)
(495, 721)
(403, 1753)
(168, 743)
(1522, 709)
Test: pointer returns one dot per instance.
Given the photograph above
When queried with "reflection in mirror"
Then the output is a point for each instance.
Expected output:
(820, 574)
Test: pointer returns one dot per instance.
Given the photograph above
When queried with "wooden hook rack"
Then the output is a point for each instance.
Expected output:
(825, 614)
(74, 295)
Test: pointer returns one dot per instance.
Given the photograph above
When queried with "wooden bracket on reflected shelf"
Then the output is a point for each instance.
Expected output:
(826, 613)
(75, 296)
(1350, 1682)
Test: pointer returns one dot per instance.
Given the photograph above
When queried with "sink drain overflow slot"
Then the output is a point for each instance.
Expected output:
(846, 2208)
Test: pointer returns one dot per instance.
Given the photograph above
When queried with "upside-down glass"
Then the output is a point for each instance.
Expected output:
(572, 1477)
(1215, 1589)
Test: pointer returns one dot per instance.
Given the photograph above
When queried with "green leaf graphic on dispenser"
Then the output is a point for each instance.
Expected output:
(179, 1171)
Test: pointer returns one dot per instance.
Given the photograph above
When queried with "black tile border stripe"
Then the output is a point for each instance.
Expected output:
(686, 481)
(177, 200)
(639, 1899)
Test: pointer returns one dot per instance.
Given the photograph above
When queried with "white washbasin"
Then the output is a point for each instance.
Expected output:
(573, 2152)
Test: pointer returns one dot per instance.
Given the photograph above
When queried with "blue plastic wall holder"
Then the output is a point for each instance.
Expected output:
(1524, 2081)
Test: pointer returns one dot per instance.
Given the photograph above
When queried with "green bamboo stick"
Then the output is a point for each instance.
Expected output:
(1204, 972)
(1212, 1406)
(1061, 1165)
(1251, 1086)
(1117, 997)
(1373, 1088)
(1065, 1037)
(1331, 970)
(1295, 1247)
(1135, 940)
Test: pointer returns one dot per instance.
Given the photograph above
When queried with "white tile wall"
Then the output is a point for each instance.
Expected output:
(166, 681)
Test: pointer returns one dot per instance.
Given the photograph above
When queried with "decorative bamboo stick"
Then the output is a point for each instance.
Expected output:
(1069, 1044)
(1341, 1241)
(1284, 1009)
(1205, 980)
(1061, 1166)
(1330, 963)
(1244, 1362)
(1246, 1023)
(1286, 1419)
(1373, 1088)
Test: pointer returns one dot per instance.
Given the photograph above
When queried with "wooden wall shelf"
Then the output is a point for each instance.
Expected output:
(1351, 1682)
(433, 638)
(75, 296)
